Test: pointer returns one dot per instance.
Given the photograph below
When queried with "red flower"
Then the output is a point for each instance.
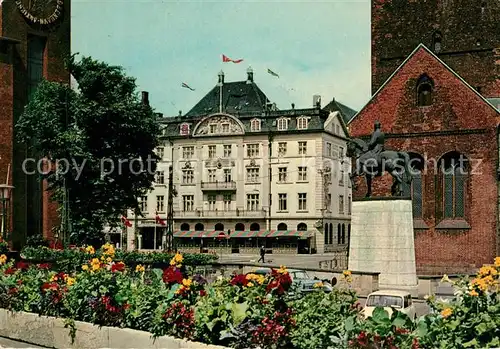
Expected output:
(401, 331)
(415, 343)
(126, 306)
(203, 293)
(22, 265)
(56, 245)
(13, 290)
(172, 275)
(49, 286)
(10, 271)
(19, 282)
(120, 266)
(44, 266)
(239, 280)
(362, 339)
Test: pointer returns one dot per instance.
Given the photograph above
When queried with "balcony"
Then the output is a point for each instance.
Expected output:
(231, 185)
(229, 214)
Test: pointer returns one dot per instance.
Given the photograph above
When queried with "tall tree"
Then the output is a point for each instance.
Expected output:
(99, 140)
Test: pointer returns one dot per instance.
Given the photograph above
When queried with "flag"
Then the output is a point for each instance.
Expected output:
(272, 73)
(159, 220)
(226, 59)
(126, 221)
(187, 86)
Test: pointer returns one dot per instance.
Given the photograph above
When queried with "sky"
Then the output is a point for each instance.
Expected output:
(316, 47)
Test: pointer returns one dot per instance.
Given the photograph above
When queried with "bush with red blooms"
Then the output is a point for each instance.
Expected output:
(172, 275)
(178, 321)
(274, 331)
(280, 281)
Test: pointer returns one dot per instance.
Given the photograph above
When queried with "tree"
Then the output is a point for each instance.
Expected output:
(99, 142)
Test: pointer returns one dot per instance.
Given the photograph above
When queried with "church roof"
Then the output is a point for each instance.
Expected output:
(237, 97)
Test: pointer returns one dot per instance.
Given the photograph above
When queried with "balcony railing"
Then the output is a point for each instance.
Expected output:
(231, 185)
(219, 213)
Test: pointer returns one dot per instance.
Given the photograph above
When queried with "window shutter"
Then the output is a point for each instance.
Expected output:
(438, 190)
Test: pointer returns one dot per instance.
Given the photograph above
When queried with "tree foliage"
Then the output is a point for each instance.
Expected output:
(99, 139)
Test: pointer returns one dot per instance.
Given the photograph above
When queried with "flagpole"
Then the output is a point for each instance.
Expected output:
(154, 244)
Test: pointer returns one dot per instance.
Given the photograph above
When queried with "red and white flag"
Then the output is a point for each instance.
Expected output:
(126, 221)
(159, 220)
(226, 59)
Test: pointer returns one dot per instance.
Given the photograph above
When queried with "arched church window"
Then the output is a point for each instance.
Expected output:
(425, 87)
(453, 168)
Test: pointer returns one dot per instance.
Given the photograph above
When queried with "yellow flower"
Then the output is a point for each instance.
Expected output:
(446, 312)
(257, 278)
(445, 278)
(90, 249)
(70, 281)
(187, 283)
(282, 270)
(140, 268)
(347, 273)
(85, 267)
(109, 259)
(3, 259)
(473, 293)
(497, 262)
(95, 267)
(108, 249)
(177, 259)
(318, 285)
(249, 284)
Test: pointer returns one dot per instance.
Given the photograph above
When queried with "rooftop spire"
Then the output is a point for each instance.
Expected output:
(249, 75)
(221, 77)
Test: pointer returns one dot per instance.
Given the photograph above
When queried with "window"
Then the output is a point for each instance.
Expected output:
(211, 176)
(225, 128)
(282, 124)
(341, 204)
(188, 203)
(219, 227)
(187, 152)
(337, 129)
(255, 125)
(282, 201)
(282, 227)
(282, 174)
(349, 181)
(184, 227)
(302, 201)
(424, 91)
(302, 173)
(349, 205)
(227, 175)
(414, 190)
(199, 227)
(211, 151)
(339, 232)
(239, 227)
(252, 150)
(227, 202)
(160, 152)
(160, 203)
(143, 204)
(341, 153)
(252, 202)
(187, 176)
(281, 148)
(328, 149)
(227, 150)
(302, 227)
(255, 227)
(183, 130)
(36, 50)
(160, 177)
(253, 175)
(436, 41)
(329, 202)
(454, 174)
(302, 123)
(213, 129)
(302, 148)
(212, 199)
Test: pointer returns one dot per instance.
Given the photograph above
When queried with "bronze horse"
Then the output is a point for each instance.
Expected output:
(397, 163)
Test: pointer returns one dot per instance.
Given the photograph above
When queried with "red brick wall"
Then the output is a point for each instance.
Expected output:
(58, 47)
(400, 26)
(458, 120)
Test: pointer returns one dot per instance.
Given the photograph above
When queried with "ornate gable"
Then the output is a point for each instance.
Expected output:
(218, 125)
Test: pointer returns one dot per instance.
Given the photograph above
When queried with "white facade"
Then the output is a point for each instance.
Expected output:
(221, 175)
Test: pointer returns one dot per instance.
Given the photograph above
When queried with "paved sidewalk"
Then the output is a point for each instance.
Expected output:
(9, 343)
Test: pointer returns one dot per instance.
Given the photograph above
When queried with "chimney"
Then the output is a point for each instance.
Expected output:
(180, 113)
(317, 101)
(293, 105)
(145, 98)
(221, 77)
(249, 75)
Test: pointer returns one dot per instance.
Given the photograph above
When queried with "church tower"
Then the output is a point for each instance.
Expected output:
(465, 34)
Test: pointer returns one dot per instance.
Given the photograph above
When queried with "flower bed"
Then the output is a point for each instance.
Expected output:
(243, 311)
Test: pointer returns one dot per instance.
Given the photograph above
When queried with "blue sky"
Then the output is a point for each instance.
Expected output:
(317, 47)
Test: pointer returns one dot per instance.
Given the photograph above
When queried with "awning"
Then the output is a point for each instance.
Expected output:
(198, 234)
(290, 233)
(249, 234)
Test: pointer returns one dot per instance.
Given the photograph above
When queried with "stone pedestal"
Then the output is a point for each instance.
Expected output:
(382, 241)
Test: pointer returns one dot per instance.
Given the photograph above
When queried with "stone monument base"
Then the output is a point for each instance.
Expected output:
(382, 240)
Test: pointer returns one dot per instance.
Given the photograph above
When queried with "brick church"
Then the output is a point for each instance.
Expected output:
(436, 92)
(34, 41)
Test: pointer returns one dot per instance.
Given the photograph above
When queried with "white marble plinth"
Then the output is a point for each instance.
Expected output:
(382, 241)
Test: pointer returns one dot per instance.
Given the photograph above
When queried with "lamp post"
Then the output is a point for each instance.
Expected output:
(5, 196)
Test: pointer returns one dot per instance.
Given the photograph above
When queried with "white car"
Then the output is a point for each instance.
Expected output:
(390, 300)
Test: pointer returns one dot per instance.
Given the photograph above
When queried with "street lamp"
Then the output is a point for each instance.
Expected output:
(5, 195)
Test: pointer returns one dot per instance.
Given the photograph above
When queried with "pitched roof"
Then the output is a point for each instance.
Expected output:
(417, 49)
(237, 97)
(346, 112)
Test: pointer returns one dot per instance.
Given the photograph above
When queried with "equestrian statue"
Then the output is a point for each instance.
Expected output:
(372, 160)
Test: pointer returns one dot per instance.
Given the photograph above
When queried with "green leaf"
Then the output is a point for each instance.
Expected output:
(239, 312)
(380, 315)
(349, 324)
(472, 343)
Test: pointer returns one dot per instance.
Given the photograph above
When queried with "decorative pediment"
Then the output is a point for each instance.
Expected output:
(218, 125)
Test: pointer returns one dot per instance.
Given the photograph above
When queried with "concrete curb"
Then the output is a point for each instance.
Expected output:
(50, 332)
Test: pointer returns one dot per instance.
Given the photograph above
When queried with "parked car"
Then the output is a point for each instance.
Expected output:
(301, 280)
(391, 300)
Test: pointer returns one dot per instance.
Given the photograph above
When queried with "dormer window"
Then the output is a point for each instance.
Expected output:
(183, 130)
(425, 87)
(213, 128)
(225, 128)
(302, 123)
(282, 124)
(255, 125)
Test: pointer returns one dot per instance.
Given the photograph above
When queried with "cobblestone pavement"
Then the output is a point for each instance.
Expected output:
(9, 343)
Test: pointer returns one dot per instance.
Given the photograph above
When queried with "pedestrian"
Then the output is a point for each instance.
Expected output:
(262, 254)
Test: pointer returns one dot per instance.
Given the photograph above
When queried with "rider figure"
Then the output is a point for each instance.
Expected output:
(375, 146)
